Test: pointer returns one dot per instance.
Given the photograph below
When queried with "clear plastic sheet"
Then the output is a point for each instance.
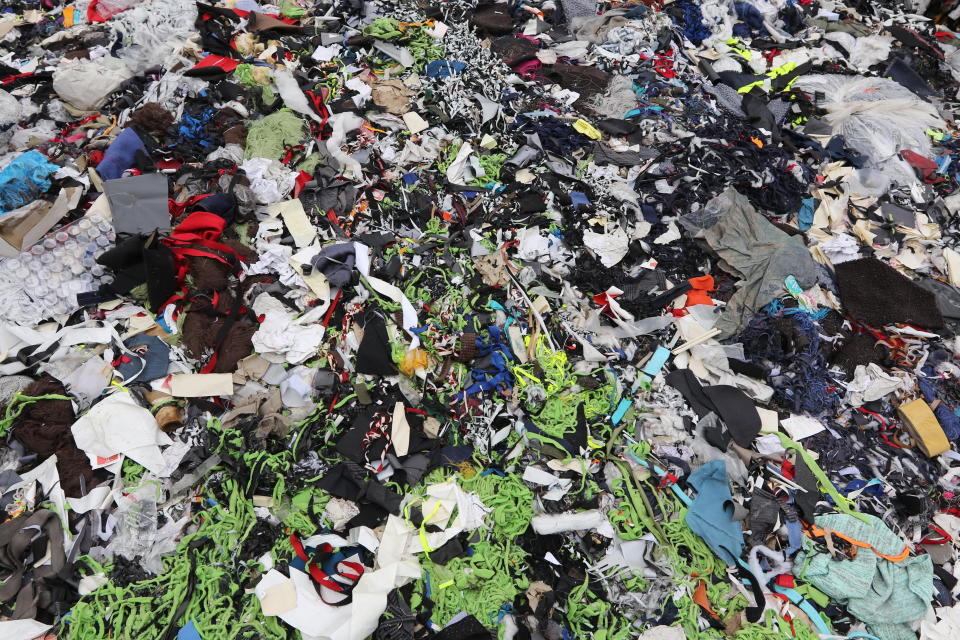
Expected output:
(877, 117)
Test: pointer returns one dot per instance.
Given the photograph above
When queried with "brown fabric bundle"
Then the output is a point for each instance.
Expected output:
(44, 428)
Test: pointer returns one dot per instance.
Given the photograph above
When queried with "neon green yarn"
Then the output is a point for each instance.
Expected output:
(131, 472)
(424, 47)
(479, 584)
(244, 73)
(559, 413)
(774, 628)
(592, 617)
(415, 38)
(218, 606)
(491, 165)
(444, 162)
(623, 516)
(510, 499)
(383, 29)
(289, 9)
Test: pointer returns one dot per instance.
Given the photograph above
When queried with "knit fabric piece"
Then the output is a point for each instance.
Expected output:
(887, 595)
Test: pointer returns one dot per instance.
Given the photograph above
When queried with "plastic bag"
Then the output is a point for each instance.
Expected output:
(153, 32)
(10, 109)
(876, 117)
(864, 51)
(136, 516)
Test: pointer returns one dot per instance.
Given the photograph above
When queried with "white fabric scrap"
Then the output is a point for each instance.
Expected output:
(117, 425)
(611, 247)
(342, 124)
(550, 523)
(532, 245)
(280, 337)
(23, 629)
(364, 91)
(400, 430)
(663, 632)
(672, 233)
(840, 248)
(415, 123)
(326, 54)
(456, 170)
(269, 180)
(558, 486)
(385, 288)
(870, 383)
(946, 628)
(443, 499)
(292, 95)
(800, 427)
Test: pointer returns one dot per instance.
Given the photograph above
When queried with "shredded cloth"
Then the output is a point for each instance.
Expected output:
(479, 320)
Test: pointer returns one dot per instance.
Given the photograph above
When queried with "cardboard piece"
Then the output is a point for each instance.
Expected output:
(21, 228)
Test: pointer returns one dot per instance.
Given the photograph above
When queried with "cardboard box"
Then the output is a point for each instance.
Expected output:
(22, 228)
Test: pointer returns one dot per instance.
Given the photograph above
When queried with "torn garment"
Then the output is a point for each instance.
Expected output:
(753, 249)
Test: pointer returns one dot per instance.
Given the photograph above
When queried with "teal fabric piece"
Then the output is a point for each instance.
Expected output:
(886, 595)
(711, 514)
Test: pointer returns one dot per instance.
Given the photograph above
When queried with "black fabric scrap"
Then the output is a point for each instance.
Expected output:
(737, 411)
(877, 294)
(374, 355)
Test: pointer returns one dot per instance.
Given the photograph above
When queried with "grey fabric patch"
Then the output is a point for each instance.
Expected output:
(603, 154)
(752, 249)
(727, 97)
(579, 8)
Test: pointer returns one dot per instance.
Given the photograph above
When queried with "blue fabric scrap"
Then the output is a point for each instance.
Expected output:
(656, 361)
(579, 198)
(805, 215)
(494, 374)
(444, 68)
(949, 421)
(120, 155)
(189, 632)
(690, 22)
(711, 514)
(752, 21)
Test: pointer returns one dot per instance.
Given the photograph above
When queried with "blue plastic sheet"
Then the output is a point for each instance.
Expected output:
(24, 180)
